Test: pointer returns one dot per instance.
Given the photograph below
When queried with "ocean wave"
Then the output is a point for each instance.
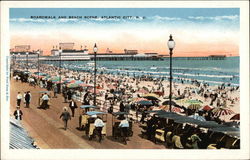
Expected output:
(176, 73)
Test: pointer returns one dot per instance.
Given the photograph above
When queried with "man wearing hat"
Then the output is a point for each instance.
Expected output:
(19, 98)
(98, 127)
(27, 98)
(72, 106)
(65, 117)
(18, 113)
(124, 125)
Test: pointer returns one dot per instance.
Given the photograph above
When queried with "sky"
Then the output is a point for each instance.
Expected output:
(196, 31)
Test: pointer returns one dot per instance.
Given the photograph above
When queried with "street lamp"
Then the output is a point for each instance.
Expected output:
(19, 56)
(27, 53)
(13, 60)
(95, 51)
(60, 55)
(38, 69)
(171, 45)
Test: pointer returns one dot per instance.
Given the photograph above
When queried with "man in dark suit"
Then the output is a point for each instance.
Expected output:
(65, 117)
(18, 113)
(69, 94)
(27, 99)
(72, 106)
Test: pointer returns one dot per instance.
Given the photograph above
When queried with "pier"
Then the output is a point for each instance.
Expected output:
(201, 58)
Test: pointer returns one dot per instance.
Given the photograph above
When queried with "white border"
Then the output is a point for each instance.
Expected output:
(243, 153)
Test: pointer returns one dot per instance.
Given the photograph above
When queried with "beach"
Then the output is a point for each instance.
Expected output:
(49, 132)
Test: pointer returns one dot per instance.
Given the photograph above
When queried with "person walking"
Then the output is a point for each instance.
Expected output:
(24, 101)
(69, 94)
(65, 117)
(143, 114)
(65, 95)
(72, 106)
(45, 99)
(124, 125)
(55, 89)
(86, 98)
(19, 99)
(27, 99)
(18, 113)
(122, 107)
(98, 127)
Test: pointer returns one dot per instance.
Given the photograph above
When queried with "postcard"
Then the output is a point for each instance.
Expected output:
(125, 80)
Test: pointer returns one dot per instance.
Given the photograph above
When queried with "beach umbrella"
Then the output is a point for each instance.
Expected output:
(194, 106)
(151, 98)
(78, 82)
(40, 73)
(182, 102)
(168, 103)
(163, 107)
(84, 85)
(197, 117)
(159, 93)
(87, 106)
(47, 77)
(139, 99)
(206, 108)
(235, 117)
(145, 103)
(66, 81)
(54, 79)
(194, 101)
(38, 76)
(99, 87)
(232, 124)
(72, 81)
(72, 85)
(222, 111)
(151, 95)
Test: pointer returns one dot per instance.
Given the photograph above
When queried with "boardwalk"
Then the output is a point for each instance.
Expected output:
(47, 129)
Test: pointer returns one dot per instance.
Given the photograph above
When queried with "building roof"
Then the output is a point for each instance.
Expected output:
(150, 53)
(19, 138)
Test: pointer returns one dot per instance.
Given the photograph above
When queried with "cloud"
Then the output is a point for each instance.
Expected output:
(157, 17)
(65, 20)
(216, 18)
(22, 20)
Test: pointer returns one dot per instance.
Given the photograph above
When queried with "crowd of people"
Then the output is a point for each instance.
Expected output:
(117, 92)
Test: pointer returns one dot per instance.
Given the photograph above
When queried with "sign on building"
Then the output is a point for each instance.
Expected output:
(22, 48)
(66, 46)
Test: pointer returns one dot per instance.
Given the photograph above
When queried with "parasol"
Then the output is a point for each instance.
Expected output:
(222, 111)
(197, 117)
(151, 98)
(207, 108)
(235, 117)
(145, 103)
(151, 95)
(72, 85)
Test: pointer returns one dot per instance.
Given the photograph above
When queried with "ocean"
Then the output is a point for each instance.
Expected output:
(213, 72)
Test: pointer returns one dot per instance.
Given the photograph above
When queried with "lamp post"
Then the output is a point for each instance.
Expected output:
(38, 69)
(171, 45)
(13, 60)
(60, 62)
(95, 51)
(19, 56)
(27, 68)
